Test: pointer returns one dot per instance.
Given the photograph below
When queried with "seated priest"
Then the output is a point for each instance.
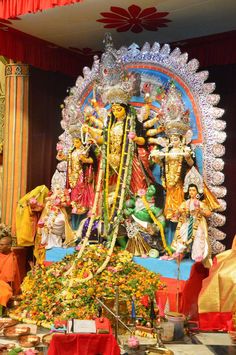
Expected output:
(9, 271)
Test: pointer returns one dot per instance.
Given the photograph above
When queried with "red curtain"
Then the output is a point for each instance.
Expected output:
(13, 8)
(218, 49)
(47, 91)
(27, 49)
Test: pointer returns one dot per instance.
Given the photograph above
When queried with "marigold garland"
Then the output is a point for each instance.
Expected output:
(46, 297)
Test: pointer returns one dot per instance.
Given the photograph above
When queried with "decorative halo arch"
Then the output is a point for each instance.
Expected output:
(161, 64)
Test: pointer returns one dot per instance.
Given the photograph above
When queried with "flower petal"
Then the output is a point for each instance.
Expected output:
(150, 27)
(136, 28)
(111, 15)
(120, 11)
(148, 11)
(134, 10)
(124, 28)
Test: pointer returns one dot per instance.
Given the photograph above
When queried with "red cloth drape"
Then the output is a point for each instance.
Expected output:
(218, 49)
(13, 8)
(191, 290)
(170, 297)
(213, 321)
(27, 49)
(83, 344)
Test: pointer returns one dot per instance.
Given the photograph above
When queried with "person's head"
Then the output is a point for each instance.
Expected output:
(175, 140)
(119, 111)
(192, 191)
(77, 142)
(5, 245)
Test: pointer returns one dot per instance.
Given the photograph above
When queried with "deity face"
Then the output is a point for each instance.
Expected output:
(192, 191)
(77, 142)
(175, 140)
(118, 111)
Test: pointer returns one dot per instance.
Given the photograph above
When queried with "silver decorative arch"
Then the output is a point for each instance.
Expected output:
(213, 134)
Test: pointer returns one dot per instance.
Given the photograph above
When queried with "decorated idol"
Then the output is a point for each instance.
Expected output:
(140, 160)
(147, 128)
(192, 231)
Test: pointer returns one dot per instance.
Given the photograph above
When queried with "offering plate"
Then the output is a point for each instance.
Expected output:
(28, 341)
(7, 322)
(15, 331)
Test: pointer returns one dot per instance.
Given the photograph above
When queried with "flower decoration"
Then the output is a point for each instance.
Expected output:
(134, 19)
(54, 293)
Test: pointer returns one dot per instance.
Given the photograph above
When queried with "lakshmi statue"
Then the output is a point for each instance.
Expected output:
(80, 178)
(192, 232)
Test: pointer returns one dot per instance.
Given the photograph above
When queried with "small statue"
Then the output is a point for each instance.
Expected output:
(192, 232)
(80, 179)
(54, 226)
(148, 219)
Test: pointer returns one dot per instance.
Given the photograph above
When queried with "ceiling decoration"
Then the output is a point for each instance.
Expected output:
(134, 19)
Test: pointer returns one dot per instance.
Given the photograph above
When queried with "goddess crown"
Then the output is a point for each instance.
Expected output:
(114, 85)
(176, 118)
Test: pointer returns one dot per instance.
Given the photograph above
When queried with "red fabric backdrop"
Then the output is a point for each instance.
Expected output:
(47, 91)
(13, 8)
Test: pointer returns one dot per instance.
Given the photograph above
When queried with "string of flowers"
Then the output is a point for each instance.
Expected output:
(106, 167)
(112, 214)
(91, 221)
(123, 191)
(155, 220)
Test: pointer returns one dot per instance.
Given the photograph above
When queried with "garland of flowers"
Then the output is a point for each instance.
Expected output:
(106, 167)
(155, 220)
(91, 221)
(112, 214)
(121, 202)
(123, 190)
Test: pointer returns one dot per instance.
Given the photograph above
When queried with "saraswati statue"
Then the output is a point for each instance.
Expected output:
(149, 118)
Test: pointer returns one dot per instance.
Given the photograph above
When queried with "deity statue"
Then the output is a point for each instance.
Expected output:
(146, 224)
(124, 154)
(80, 178)
(138, 120)
(175, 157)
(124, 157)
(192, 232)
(54, 229)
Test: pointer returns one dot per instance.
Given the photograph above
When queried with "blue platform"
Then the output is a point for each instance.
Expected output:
(166, 268)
